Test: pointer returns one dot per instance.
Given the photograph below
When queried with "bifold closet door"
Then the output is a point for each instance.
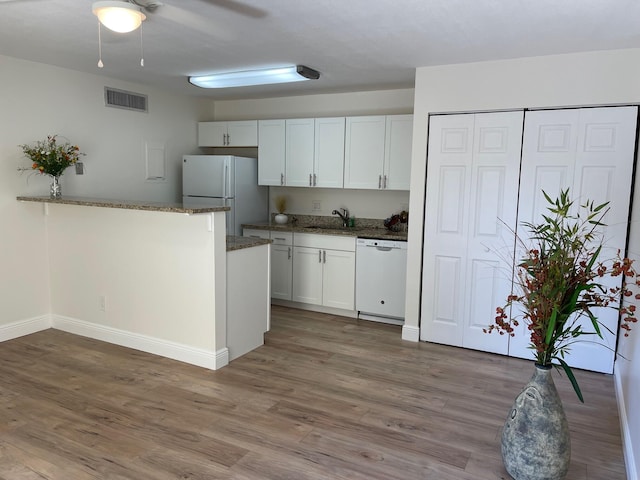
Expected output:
(591, 152)
(473, 168)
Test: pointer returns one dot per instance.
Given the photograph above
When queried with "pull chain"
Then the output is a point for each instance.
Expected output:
(100, 64)
(141, 49)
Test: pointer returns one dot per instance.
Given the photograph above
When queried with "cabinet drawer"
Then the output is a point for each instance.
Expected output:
(282, 238)
(255, 233)
(331, 242)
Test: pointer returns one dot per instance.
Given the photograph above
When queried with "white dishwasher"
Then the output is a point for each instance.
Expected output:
(381, 268)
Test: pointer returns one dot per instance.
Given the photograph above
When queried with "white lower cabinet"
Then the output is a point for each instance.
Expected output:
(338, 279)
(324, 270)
(307, 272)
(311, 269)
(281, 265)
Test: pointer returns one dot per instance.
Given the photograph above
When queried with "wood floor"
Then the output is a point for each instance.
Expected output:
(325, 398)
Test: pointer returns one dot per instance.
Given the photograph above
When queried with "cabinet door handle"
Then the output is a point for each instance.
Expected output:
(379, 181)
(289, 253)
(279, 238)
(314, 179)
(324, 256)
(385, 182)
(225, 139)
(282, 179)
(310, 183)
(319, 256)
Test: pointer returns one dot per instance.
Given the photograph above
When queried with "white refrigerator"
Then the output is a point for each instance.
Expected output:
(225, 180)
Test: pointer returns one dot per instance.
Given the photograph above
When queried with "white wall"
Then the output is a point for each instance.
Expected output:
(154, 281)
(361, 203)
(37, 100)
(378, 102)
(593, 78)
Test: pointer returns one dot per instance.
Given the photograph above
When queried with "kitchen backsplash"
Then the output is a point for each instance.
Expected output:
(335, 221)
(373, 204)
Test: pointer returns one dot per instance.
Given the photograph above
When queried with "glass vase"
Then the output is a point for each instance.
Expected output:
(55, 191)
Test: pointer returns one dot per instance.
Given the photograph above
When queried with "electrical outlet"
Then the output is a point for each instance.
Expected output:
(79, 168)
(316, 206)
(102, 303)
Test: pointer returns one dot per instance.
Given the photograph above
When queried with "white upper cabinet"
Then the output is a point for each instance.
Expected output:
(369, 152)
(228, 134)
(364, 152)
(271, 152)
(397, 154)
(378, 152)
(301, 152)
(328, 160)
(299, 140)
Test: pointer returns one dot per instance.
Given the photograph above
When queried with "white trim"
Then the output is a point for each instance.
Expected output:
(410, 333)
(157, 346)
(627, 446)
(24, 327)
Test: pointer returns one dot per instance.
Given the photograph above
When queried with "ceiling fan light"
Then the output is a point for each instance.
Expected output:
(121, 17)
(246, 78)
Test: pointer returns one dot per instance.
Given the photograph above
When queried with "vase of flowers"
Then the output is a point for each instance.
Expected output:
(51, 158)
(560, 281)
(281, 205)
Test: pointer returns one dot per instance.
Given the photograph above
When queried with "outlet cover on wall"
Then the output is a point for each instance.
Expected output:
(316, 206)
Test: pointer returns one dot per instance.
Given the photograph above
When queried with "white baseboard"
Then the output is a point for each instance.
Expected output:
(627, 446)
(157, 346)
(410, 333)
(24, 327)
(315, 308)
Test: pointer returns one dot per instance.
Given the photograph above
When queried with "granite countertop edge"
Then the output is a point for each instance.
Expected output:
(238, 243)
(378, 233)
(124, 204)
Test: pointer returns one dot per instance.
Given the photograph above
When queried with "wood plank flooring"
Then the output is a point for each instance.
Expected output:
(325, 398)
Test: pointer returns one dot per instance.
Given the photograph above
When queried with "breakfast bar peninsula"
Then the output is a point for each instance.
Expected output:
(154, 277)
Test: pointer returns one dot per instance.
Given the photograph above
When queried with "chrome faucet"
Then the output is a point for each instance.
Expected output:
(344, 216)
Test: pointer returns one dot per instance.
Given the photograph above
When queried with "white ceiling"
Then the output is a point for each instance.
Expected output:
(355, 44)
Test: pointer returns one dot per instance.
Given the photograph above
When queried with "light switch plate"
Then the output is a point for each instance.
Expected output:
(316, 206)
(79, 168)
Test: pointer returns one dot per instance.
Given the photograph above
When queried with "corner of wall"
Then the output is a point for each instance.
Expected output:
(627, 444)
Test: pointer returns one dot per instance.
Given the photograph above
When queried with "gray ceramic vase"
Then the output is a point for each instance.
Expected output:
(535, 439)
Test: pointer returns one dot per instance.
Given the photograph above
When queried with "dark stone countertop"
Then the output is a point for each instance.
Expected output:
(124, 204)
(363, 232)
(238, 243)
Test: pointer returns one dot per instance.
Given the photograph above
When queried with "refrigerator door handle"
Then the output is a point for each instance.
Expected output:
(225, 190)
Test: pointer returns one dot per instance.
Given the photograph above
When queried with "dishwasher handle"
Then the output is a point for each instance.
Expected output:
(383, 249)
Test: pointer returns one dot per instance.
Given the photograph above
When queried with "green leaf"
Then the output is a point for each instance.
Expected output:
(572, 378)
(551, 327)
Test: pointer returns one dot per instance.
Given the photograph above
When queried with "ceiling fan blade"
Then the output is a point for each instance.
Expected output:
(239, 8)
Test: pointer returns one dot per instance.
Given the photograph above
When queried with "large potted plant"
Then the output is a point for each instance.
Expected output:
(560, 286)
(51, 158)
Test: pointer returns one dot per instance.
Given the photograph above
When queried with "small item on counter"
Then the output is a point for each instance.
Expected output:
(397, 222)
(352, 222)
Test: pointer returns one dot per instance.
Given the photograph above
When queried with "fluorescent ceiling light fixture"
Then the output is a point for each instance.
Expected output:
(296, 73)
(122, 17)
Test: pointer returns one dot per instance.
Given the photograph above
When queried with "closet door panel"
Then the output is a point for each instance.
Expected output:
(603, 173)
(599, 168)
(472, 189)
(492, 216)
(446, 223)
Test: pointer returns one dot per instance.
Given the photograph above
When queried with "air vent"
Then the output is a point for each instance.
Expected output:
(127, 100)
